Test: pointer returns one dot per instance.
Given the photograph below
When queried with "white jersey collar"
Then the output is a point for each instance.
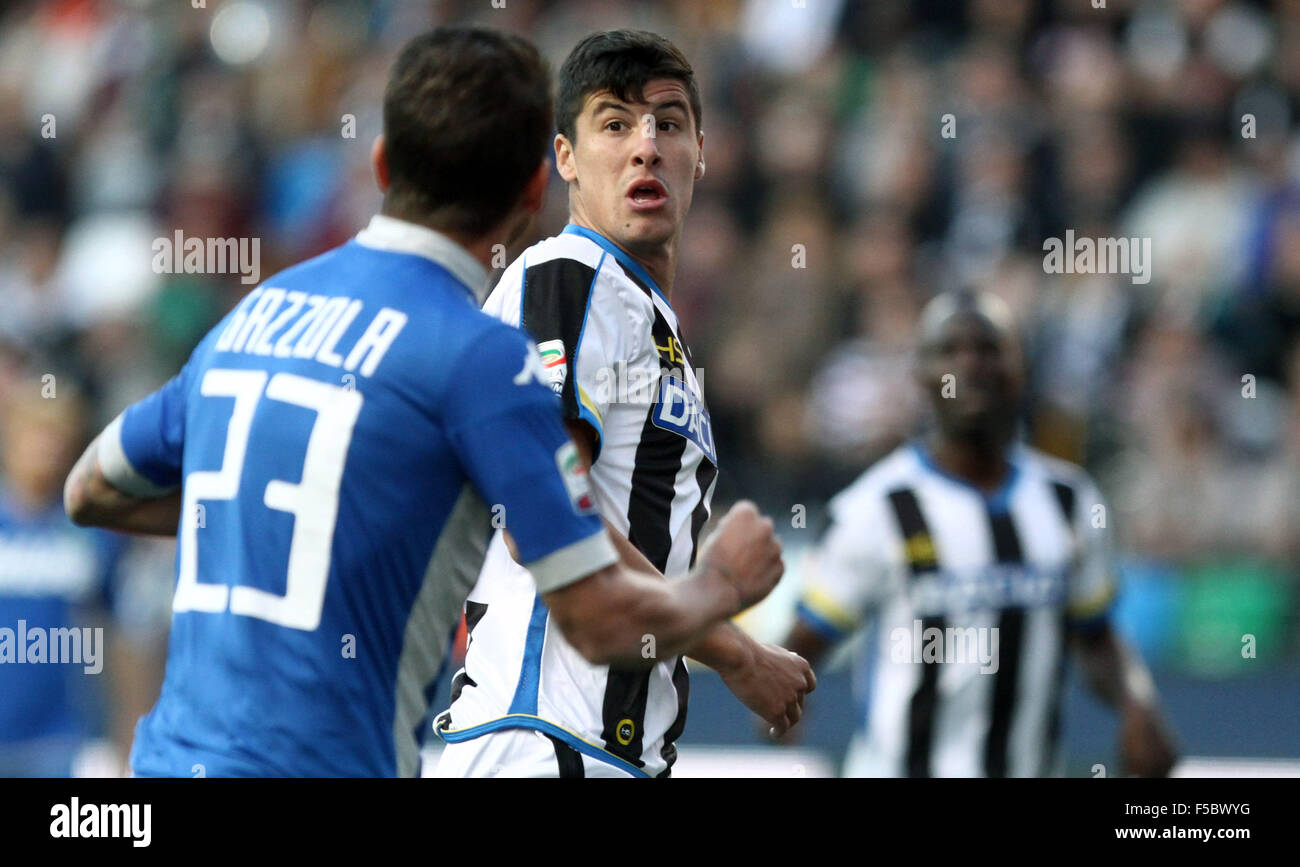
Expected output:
(399, 236)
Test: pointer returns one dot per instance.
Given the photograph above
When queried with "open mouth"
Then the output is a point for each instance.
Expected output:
(647, 194)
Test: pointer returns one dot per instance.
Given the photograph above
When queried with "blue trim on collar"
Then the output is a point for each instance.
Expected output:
(618, 253)
(997, 502)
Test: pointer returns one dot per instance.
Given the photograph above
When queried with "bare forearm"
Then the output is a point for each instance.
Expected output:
(1118, 677)
(723, 647)
(136, 679)
(726, 647)
(683, 613)
(91, 501)
(633, 620)
(1114, 673)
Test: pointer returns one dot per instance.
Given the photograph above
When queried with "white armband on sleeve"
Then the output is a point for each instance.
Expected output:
(578, 560)
(117, 469)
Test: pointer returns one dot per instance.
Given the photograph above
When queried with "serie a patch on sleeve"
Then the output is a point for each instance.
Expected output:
(555, 363)
(575, 479)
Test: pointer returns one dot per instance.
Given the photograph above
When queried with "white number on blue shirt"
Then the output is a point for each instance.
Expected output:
(313, 502)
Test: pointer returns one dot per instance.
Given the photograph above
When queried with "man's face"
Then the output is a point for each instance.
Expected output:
(971, 372)
(38, 450)
(634, 165)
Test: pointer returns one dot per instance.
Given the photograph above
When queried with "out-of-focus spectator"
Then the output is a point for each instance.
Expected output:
(58, 584)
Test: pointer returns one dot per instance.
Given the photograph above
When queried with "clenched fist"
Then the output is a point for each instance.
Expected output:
(745, 552)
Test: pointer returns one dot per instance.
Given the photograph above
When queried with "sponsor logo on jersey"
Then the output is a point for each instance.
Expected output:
(997, 586)
(673, 352)
(682, 412)
(574, 475)
(554, 363)
(626, 730)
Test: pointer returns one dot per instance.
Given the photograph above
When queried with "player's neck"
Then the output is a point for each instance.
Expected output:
(659, 261)
(980, 461)
(478, 246)
(661, 266)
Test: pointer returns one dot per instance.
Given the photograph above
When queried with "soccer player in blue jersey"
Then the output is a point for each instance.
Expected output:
(56, 582)
(333, 453)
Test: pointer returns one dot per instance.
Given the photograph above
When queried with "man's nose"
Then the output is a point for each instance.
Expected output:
(646, 152)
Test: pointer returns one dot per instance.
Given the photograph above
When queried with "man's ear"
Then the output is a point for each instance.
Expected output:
(699, 165)
(379, 162)
(515, 224)
(564, 162)
(535, 190)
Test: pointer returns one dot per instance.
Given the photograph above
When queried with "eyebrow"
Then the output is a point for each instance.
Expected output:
(611, 105)
(672, 103)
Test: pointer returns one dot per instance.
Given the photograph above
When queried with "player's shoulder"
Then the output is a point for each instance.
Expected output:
(484, 337)
(566, 249)
(1036, 464)
(326, 273)
(570, 267)
(897, 469)
(557, 285)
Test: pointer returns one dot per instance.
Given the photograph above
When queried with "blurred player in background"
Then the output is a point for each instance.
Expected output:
(597, 299)
(54, 576)
(966, 537)
(333, 445)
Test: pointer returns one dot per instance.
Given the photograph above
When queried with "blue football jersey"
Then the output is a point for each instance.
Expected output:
(51, 574)
(345, 440)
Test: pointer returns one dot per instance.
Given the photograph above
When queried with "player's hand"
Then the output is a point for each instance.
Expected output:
(773, 685)
(745, 552)
(1146, 744)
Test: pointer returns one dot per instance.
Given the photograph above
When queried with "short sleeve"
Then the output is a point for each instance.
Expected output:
(849, 573)
(142, 451)
(1094, 585)
(579, 326)
(502, 422)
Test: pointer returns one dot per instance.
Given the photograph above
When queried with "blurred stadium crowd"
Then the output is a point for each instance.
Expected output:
(833, 208)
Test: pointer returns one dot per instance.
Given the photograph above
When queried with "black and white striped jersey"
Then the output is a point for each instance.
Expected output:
(973, 595)
(614, 353)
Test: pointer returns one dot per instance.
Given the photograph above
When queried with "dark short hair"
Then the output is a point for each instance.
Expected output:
(622, 62)
(467, 121)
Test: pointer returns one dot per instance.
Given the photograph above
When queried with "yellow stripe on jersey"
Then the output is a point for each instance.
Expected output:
(589, 404)
(919, 548)
(824, 605)
(586, 401)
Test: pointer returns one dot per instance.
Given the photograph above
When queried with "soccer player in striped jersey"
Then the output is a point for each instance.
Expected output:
(982, 559)
(333, 446)
(597, 299)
